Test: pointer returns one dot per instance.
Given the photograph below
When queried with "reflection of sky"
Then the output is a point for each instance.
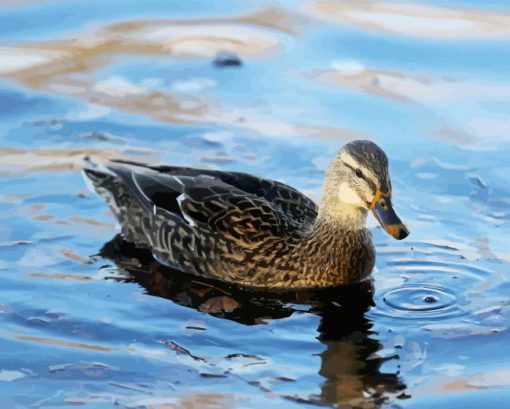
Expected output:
(36, 19)
(448, 142)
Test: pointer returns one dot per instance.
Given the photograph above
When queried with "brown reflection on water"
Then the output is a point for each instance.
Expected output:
(56, 342)
(413, 19)
(391, 85)
(349, 364)
(443, 385)
(428, 91)
(195, 400)
(24, 161)
(60, 277)
(406, 87)
(72, 67)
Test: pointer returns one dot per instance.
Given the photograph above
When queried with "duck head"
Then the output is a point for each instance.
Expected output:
(358, 181)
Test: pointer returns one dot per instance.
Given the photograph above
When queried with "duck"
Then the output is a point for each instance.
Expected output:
(250, 231)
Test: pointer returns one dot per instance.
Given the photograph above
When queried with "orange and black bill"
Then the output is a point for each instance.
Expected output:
(383, 211)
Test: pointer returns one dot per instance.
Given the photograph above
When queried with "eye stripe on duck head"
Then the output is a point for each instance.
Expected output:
(370, 159)
(368, 175)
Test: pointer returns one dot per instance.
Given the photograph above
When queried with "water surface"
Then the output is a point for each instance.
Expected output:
(87, 321)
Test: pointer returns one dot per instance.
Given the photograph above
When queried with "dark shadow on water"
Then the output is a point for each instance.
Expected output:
(350, 365)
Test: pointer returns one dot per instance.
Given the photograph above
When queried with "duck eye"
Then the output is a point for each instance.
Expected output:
(359, 173)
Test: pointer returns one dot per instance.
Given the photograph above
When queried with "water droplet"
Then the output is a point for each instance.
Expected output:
(411, 300)
(430, 299)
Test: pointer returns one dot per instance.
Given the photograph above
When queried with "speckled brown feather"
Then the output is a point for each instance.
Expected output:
(232, 226)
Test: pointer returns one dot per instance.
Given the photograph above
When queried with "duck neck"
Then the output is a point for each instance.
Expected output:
(337, 249)
(341, 216)
(340, 207)
(334, 226)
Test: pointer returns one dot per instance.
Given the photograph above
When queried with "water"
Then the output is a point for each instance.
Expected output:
(87, 321)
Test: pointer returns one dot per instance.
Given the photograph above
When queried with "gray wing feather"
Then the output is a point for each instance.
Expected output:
(207, 204)
(197, 204)
(297, 206)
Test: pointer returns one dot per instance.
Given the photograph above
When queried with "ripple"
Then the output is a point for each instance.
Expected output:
(469, 278)
(424, 283)
(421, 299)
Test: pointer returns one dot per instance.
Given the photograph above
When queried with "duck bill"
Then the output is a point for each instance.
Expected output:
(383, 211)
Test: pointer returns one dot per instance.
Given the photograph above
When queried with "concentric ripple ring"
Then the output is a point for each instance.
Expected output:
(419, 298)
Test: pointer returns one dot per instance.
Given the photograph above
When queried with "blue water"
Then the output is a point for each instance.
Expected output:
(104, 329)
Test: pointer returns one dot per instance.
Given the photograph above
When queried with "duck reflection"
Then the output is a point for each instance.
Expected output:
(349, 364)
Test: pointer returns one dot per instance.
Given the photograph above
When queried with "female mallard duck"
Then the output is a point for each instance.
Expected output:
(250, 231)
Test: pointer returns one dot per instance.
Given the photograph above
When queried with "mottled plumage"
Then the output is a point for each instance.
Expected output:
(241, 228)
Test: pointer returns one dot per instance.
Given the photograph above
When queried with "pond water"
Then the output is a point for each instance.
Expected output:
(87, 320)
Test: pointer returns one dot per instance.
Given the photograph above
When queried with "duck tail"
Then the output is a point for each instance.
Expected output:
(115, 185)
(108, 179)
(97, 176)
(129, 180)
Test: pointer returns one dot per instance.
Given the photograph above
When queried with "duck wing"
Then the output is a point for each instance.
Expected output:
(291, 202)
(209, 204)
